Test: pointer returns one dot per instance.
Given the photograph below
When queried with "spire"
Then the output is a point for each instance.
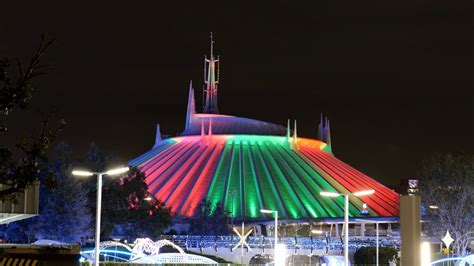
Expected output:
(211, 79)
(288, 132)
(328, 134)
(324, 131)
(191, 106)
(203, 135)
(320, 128)
(209, 132)
(295, 136)
(158, 135)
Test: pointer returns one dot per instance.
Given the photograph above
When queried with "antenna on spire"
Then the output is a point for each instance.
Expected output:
(211, 79)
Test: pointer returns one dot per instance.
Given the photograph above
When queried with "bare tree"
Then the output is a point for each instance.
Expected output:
(21, 166)
(446, 186)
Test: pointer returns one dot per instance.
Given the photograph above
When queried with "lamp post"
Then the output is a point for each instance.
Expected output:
(276, 224)
(99, 175)
(346, 215)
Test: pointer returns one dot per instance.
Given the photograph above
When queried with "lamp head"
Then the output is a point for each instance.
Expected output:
(329, 194)
(364, 193)
(82, 173)
(117, 171)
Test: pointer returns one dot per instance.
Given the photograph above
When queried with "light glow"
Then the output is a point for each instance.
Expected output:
(317, 232)
(364, 193)
(425, 254)
(329, 194)
(433, 207)
(82, 173)
(117, 171)
(266, 211)
(280, 255)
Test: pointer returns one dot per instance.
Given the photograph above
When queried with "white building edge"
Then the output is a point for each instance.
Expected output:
(25, 205)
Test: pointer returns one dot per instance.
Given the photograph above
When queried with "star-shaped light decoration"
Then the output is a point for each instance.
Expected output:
(447, 239)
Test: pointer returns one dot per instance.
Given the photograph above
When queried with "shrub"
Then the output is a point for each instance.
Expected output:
(366, 255)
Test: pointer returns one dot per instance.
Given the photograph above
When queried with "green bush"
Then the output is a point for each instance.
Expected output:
(366, 255)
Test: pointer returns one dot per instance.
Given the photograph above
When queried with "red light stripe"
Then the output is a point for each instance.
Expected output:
(179, 168)
(199, 190)
(361, 180)
(165, 172)
(389, 193)
(159, 165)
(347, 183)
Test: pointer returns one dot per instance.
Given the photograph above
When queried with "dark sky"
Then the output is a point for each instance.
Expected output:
(394, 77)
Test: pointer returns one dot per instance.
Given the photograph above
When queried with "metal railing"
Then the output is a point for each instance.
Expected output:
(292, 243)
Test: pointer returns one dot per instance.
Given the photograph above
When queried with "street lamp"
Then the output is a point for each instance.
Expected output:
(346, 214)
(276, 224)
(99, 175)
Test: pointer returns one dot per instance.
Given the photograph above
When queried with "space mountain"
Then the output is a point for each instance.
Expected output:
(245, 165)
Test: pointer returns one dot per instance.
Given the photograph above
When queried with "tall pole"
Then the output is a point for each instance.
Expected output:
(276, 229)
(242, 249)
(346, 229)
(377, 244)
(97, 219)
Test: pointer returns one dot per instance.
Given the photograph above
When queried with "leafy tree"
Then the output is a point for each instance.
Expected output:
(17, 232)
(210, 220)
(447, 182)
(21, 164)
(63, 211)
(64, 215)
(127, 206)
(140, 214)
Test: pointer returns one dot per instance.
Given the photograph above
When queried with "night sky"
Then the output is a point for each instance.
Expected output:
(394, 77)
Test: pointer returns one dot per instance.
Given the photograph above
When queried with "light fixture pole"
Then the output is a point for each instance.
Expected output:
(346, 215)
(99, 201)
(276, 224)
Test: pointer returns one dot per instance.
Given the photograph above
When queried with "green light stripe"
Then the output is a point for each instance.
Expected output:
(306, 190)
(302, 193)
(315, 183)
(234, 183)
(218, 184)
(252, 200)
(291, 201)
(271, 198)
